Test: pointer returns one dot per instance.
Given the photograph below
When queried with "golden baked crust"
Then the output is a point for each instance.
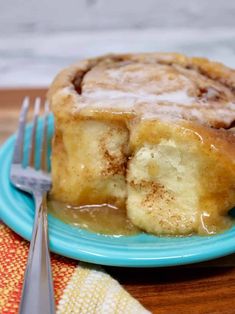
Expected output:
(150, 132)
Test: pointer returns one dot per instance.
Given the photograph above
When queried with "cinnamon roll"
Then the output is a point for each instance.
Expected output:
(152, 133)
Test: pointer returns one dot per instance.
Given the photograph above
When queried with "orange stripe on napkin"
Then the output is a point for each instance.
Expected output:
(13, 257)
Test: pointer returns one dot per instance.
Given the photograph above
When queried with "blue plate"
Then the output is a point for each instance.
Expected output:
(141, 250)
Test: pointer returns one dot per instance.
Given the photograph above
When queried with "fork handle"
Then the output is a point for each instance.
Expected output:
(38, 294)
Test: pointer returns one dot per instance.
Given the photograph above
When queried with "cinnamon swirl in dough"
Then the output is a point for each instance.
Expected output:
(148, 132)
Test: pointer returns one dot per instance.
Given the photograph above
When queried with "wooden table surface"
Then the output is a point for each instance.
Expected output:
(195, 289)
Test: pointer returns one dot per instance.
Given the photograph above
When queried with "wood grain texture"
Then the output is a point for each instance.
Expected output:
(203, 288)
(181, 289)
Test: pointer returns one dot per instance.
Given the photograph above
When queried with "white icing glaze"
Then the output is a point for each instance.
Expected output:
(155, 91)
(180, 96)
(167, 106)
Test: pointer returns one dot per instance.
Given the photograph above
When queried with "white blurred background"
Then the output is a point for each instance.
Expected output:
(38, 38)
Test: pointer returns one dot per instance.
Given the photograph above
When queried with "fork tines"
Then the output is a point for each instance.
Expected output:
(18, 156)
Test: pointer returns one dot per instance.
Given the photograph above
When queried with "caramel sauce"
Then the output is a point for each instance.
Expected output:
(103, 219)
(110, 220)
(209, 224)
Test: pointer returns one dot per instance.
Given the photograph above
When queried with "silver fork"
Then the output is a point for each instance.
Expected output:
(37, 294)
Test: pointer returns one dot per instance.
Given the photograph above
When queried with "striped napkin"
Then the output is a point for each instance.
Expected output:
(79, 287)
